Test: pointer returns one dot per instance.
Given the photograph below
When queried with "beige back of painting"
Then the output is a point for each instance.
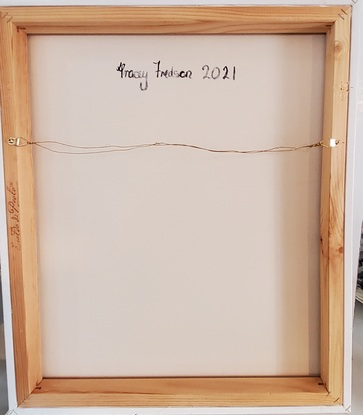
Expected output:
(173, 261)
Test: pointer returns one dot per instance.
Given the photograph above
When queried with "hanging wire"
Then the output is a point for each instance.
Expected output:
(51, 145)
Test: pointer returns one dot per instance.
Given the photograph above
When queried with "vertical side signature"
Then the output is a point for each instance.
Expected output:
(13, 216)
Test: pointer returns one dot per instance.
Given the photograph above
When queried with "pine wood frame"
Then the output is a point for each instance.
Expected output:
(16, 24)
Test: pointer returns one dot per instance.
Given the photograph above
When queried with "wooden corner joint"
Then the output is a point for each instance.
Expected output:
(345, 12)
(336, 401)
(5, 16)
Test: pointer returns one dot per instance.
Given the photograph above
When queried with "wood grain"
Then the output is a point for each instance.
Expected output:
(332, 207)
(174, 20)
(179, 392)
(20, 209)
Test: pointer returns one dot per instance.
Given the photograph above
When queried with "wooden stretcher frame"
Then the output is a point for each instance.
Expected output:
(32, 389)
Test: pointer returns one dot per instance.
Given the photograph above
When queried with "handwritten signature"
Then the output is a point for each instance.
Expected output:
(13, 210)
